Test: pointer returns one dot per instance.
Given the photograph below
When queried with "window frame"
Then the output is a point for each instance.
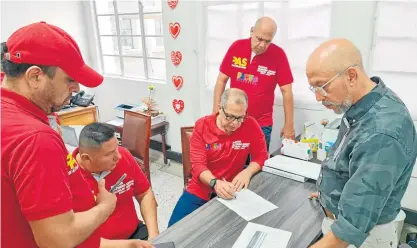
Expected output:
(143, 37)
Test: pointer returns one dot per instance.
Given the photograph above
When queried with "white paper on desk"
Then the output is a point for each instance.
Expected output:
(248, 204)
(275, 238)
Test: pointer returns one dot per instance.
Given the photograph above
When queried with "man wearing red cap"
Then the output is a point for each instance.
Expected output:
(46, 201)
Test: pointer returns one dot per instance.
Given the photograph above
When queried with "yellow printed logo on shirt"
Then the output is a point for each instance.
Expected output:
(239, 62)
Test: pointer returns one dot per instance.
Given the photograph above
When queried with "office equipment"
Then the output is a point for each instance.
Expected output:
(264, 237)
(294, 167)
(296, 149)
(282, 173)
(82, 99)
(248, 204)
(120, 109)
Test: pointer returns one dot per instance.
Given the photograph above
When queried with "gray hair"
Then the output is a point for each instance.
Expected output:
(236, 96)
(95, 134)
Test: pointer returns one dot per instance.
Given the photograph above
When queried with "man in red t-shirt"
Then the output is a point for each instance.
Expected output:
(256, 66)
(219, 146)
(99, 156)
(45, 200)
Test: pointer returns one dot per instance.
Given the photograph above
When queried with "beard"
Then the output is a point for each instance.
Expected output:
(339, 108)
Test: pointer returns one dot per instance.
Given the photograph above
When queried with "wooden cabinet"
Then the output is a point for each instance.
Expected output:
(78, 116)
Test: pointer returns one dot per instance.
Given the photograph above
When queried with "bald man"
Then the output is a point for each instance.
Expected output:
(364, 178)
(219, 146)
(256, 66)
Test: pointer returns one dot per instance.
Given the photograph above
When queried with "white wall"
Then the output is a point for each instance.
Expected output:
(67, 15)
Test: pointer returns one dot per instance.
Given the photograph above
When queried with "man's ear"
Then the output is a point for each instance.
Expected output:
(251, 31)
(34, 76)
(85, 157)
(220, 107)
(352, 76)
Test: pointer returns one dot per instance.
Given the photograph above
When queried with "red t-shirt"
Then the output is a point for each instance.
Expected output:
(258, 78)
(124, 220)
(38, 180)
(224, 155)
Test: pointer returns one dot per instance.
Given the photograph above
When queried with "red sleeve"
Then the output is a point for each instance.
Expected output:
(284, 74)
(198, 155)
(258, 149)
(141, 182)
(40, 176)
(226, 64)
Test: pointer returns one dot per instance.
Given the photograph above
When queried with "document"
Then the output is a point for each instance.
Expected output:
(260, 236)
(248, 204)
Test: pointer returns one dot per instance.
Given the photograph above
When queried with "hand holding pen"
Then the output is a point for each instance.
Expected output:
(225, 190)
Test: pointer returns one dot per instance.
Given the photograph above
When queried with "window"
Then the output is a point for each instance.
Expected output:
(302, 26)
(130, 35)
(394, 50)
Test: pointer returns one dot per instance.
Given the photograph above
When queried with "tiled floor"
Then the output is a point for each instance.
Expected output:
(167, 184)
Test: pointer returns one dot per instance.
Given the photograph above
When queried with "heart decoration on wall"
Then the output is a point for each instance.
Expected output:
(177, 81)
(178, 105)
(176, 57)
(172, 3)
(174, 29)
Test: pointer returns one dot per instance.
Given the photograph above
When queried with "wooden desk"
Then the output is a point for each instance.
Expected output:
(215, 225)
(78, 115)
(160, 128)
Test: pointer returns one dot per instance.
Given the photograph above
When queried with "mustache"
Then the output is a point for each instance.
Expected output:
(327, 103)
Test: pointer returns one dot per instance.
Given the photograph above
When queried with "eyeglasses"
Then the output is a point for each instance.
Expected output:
(321, 90)
(231, 118)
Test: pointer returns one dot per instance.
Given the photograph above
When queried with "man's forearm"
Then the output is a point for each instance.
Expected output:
(330, 241)
(218, 91)
(288, 100)
(253, 168)
(147, 204)
(85, 223)
(206, 176)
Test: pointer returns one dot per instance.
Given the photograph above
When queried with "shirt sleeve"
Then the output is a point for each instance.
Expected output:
(198, 153)
(375, 167)
(226, 64)
(284, 74)
(258, 148)
(141, 181)
(40, 177)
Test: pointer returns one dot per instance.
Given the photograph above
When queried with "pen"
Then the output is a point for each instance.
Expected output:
(234, 194)
(117, 183)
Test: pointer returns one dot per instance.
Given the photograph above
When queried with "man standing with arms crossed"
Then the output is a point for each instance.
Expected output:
(46, 201)
(256, 66)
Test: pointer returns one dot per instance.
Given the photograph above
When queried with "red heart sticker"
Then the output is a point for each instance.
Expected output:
(174, 29)
(176, 57)
(177, 81)
(172, 3)
(178, 105)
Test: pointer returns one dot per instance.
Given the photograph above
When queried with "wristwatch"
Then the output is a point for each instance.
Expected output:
(213, 183)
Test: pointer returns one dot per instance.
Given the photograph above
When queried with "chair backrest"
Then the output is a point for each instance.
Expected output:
(185, 144)
(136, 137)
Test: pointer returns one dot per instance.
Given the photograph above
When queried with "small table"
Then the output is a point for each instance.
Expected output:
(216, 226)
(159, 128)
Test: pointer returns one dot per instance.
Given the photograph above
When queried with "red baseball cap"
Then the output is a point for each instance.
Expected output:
(44, 44)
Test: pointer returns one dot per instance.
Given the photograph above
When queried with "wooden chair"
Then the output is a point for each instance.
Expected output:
(137, 137)
(185, 144)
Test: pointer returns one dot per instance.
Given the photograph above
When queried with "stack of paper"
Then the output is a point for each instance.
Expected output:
(294, 166)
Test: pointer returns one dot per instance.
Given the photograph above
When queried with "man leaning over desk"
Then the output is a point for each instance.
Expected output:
(368, 169)
(219, 146)
(100, 157)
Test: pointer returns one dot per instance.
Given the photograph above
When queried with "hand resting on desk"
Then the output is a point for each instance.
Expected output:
(224, 189)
